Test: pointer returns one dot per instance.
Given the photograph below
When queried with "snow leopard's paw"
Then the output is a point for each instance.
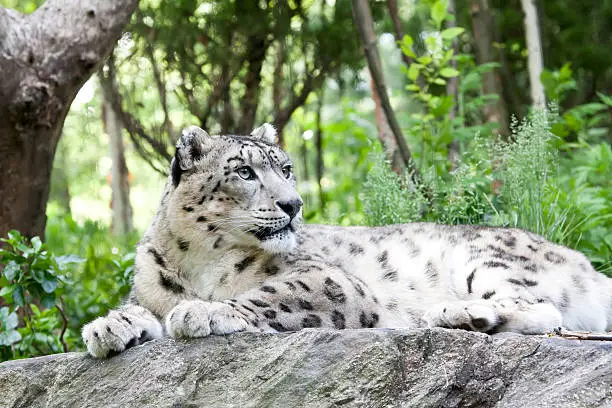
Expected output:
(472, 315)
(119, 330)
(196, 318)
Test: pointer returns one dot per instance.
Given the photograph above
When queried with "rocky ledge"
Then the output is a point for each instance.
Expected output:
(324, 368)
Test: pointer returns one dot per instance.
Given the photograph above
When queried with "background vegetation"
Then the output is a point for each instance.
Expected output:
(230, 65)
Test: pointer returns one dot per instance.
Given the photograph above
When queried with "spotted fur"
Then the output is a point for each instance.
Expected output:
(226, 253)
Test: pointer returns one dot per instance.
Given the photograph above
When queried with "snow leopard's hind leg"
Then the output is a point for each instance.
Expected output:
(496, 315)
(126, 327)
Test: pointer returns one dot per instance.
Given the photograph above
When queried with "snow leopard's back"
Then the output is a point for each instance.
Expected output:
(413, 267)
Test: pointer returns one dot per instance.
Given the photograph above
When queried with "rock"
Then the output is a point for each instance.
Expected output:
(324, 368)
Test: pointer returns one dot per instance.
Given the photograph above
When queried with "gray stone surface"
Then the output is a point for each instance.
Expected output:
(324, 368)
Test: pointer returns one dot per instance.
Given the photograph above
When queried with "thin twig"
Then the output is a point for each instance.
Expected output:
(64, 325)
(575, 335)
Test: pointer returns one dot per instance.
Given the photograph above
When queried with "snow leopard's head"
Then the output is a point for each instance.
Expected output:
(237, 188)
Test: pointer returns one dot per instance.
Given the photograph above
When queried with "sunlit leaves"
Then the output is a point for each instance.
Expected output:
(449, 72)
(452, 33)
(438, 12)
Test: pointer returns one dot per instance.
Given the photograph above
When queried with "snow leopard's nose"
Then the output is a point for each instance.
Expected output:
(291, 208)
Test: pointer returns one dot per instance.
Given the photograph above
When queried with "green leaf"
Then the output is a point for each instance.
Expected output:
(449, 72)
(10, 337)
(38, 275)
(565, 73)
(7, 290)
(413, 88)
(406, 46)
(413, 72)
(14, 235)
(605, 98)
(11, 270)
(449, 54)
(36, 243)
(438, 12)
(407, 41)
(12, 321)
(49, 284)
(452, 32)
(8, 320)
(64, 260)
(439, 81)
(426, 59)
(18, 296)
(48, 301)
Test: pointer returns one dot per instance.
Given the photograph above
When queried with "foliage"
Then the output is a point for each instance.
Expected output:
(33, 281)
(102, 280)
(523, 187)
(232, 63)
(443, 116)
(49, 298)
(588, 121)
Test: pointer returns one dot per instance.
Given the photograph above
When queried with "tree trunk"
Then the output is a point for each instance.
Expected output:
(384, 133)
(255, 57)
(482, 23)
(319, 146)
(60, 184)
(452, 89)
(277, 85)
(534, 55)
(45, 57)
(363, 21)
(120, 186)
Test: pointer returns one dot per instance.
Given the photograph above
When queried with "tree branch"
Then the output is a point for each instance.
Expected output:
(298, 99)
(161, 89)
(575, 335)
(397, 28)
(132, 125)
(363, 22)
(64, 326)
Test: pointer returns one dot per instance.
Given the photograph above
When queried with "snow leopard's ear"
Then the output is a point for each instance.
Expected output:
(266, 133)
(191, 146)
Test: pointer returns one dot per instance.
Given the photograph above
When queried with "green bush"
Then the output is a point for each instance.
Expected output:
(49, 298)
(104, 277)
(33, 282)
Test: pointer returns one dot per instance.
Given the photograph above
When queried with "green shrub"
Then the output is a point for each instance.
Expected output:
(49, 298)
(104, 277)
(33, 282)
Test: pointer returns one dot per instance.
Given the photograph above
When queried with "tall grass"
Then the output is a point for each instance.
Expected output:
(518, 183)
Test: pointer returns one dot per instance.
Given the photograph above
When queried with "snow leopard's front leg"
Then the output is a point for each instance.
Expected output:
(318, 297)
(157, 289)
(496, 315)
(128, 326)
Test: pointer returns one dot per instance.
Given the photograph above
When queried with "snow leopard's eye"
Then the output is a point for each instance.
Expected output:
(287, 171)
(246, 173)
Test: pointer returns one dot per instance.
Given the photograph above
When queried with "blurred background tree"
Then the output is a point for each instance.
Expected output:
(455, 72)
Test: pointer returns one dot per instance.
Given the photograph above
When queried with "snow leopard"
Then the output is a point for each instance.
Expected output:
(228, 252)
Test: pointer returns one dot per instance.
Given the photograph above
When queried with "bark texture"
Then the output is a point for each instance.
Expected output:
(45, 58)
(363, 21)
(452, 89)
(120, 183)
(483, 28)
(385, 135)
(324, 368)
(534, 53)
